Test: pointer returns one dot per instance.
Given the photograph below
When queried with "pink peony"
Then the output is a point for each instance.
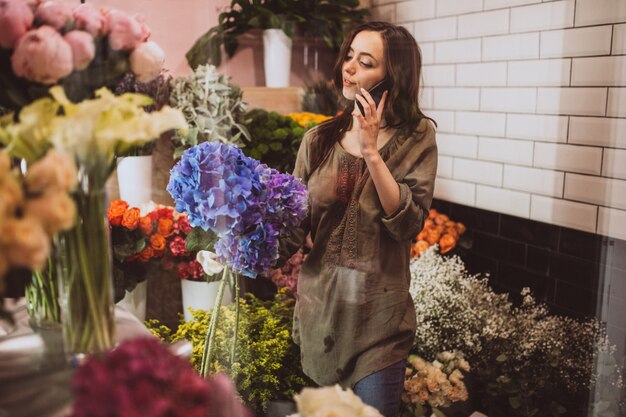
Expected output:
(91, 20)
(147, 61)
(43, 56)
(126, 32)
(16, 18)
(145, 31)
(54, 13)
(83, 48)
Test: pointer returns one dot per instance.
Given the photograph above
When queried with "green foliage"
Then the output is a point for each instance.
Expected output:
(267, 363)
(199, 239)
(274, 139)
(319, 18)
(212, 107)
(321, 98)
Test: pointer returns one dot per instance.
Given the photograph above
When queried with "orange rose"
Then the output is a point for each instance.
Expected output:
(432, 236)
(146, 225)
(131, 218)
(165, 227)
(460, 227)
(420, 247)
(146, 254)
(452, 232)
(157, 242)
(421, 235)
(432, 214)
(117, 208)
(441, 219)
(447, 243)
(428, 224)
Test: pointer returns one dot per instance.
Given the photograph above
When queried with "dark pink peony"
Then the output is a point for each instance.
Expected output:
(83, 48)
(91, 20)
(16, 18)
(55, 13)
(43, 56)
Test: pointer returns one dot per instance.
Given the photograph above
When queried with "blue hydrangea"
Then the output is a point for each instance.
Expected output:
(247, 204)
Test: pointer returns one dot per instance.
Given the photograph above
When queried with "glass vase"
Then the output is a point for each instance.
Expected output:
(85, 278)
(42, 300)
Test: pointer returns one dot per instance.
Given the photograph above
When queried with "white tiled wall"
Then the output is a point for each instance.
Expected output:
(530, 98)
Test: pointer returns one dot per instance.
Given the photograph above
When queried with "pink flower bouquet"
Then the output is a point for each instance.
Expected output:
(78, 46)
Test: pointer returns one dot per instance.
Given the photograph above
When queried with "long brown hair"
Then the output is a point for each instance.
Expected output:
(402, 111)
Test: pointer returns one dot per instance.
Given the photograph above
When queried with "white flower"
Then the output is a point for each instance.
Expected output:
(209, 264)
(332, 402)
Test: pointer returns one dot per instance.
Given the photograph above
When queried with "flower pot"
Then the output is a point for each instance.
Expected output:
(83, 256)
(135, 301)
(276, 57)
(134, 176)
(200, 295)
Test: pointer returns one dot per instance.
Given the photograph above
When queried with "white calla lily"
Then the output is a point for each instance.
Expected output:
(209, 264)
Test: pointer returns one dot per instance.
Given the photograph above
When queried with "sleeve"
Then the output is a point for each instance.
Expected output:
(416, 190)
(290, 244)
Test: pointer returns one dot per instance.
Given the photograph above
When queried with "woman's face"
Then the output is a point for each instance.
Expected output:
(364, 64)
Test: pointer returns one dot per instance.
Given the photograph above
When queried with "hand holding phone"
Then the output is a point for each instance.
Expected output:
(376, 92)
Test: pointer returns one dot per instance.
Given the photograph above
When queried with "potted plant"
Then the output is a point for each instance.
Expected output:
(317, 18)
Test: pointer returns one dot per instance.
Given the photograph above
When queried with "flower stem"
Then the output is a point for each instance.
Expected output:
(234, 348)
(210, 334)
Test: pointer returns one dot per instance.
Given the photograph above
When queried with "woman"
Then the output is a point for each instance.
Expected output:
(370, 178)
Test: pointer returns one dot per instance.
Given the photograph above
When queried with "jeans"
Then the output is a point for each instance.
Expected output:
(382, 389)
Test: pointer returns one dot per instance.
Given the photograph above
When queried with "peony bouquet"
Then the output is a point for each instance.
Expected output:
(330, 402)
(141, 377)
(78, 46)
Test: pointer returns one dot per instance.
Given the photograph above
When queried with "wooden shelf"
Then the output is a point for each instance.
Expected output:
(282, 100)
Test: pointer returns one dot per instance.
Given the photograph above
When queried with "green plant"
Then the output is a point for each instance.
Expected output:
(321, 98)
(274, 139)
(319, 18)
(212, 107)
(267, 363)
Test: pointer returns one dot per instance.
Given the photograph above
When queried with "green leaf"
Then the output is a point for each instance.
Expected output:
(438, 413)
(198, 240)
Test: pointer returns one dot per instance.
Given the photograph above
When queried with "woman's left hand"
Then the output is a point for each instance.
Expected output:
(369, 124)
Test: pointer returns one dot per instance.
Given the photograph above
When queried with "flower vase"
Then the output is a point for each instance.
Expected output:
(42, 300)
(200, 295)
(134, 177)
(85, 278)
(277, 57)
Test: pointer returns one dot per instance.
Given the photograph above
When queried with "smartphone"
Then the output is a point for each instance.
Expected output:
(376, 92)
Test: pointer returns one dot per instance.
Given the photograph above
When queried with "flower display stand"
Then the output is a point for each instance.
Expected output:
(200, 295)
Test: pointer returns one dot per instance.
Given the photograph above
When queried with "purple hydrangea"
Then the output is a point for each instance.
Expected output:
(247, 204)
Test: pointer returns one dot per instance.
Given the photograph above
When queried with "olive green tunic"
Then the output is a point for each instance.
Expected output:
(354, 314)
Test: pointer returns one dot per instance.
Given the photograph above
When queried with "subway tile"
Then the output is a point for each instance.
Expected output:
(549, 72)
(533, 180)
(458, 51)
(439, 75)
(444, 119)
(599, 71)
(576, 42)
(612, 222)
(407, 11)
(518, 152)
(475, 218)
(542, 235)
(435, 29)
(456, 98)
(484, 74)
(456, 7)
(593, 12)
(455, 191)
(484, 24)
(570, 297)
(538, 259)
(572, 101)
(537, 127)
(444, 166)
(599, 131)
(596, 190)
(614, 163)
(497, 4)
(488, 173)
(501, 200)
(584, 245)
(553, 15)
(506, 250)
(426, 98)
(575, 271)
(511, 47)
(480, 123)
(571, 158)
(616, 106)
(619, 39)
(428, 52)
(514, 100)
(564, 213)
(457, 145)
(386, 13)
(515, 278)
